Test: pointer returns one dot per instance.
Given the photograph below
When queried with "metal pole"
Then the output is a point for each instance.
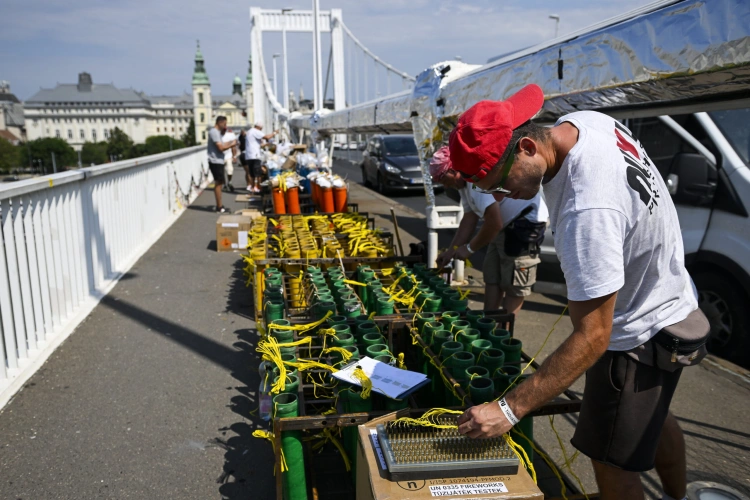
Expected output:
(79, 159)
(556, 18)
(317, 74)
(54, 163)
(284, 57)
(275, 80)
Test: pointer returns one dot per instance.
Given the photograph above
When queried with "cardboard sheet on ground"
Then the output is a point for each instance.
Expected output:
(386, 379)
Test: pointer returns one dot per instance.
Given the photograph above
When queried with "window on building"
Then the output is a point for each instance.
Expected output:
(158, 129)
(173, 127)
(70, 134)
(106, 133)
(203, 134)
(57, 133)
(93, 134)
(203, 118)
(200, 97)
(83, 135)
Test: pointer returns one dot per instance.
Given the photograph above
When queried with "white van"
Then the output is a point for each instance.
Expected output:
(704, 159)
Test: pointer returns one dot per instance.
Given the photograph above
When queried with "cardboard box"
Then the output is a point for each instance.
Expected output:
(249, 212)
(373, 485)
(231, 232)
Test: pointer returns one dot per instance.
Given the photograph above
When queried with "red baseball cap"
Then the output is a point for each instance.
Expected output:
(484, 131)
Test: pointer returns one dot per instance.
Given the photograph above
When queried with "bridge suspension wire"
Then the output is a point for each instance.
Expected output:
(357, 51)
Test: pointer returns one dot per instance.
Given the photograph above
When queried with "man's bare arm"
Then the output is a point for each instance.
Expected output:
(592, 327)
(223, 146)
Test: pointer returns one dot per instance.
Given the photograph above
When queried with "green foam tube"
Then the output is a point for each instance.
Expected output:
(295, 482)
(512, 349)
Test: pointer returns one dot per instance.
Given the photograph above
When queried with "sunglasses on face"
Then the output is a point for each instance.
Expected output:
(506, 170)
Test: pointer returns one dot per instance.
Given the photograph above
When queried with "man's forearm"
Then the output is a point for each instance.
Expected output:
(465, 230)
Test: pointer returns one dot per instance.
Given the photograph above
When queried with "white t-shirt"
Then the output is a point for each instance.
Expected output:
(474, 201)
(227, 137)
(616, 229)
(477, 202)
(253, 138)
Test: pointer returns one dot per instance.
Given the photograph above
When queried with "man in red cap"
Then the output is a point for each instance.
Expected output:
(632, 303)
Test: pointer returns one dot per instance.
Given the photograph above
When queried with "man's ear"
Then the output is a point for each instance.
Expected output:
(527, 146)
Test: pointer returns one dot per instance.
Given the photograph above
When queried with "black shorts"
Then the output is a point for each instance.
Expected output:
(217, 170)
(255, 169)
(243, 160)
(625, 403)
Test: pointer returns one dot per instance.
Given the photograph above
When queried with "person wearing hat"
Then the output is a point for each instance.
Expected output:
(509, 269)
(620, 247)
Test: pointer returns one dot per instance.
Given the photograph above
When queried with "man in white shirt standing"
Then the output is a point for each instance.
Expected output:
(229, 157)
(620, 247)
(508, 278)
(254, 140)
(216, 149)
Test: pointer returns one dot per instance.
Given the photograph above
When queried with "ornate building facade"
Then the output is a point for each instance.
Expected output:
(88, 112)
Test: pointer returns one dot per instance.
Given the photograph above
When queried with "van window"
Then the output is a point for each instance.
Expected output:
(735, 125)
(659, 141)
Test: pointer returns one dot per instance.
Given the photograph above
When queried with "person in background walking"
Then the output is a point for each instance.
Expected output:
(252, 152)
(230, 156)
(216, 147)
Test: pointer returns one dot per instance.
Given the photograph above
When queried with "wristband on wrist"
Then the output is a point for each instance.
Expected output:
(468, 248)
(508, 412)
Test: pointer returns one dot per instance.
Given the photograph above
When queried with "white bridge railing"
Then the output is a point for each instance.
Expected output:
(66, 239)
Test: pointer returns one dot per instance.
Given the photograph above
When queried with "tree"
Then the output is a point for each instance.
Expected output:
(119, 145)
(41, 151)
(138, 151)
(161, 144)
(9, 156)
(189, 136)
(94, 153)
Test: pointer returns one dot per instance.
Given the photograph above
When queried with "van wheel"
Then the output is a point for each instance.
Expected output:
(725, 305)
(365, 180)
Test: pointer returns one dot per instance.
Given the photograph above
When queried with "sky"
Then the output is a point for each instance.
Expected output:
(150, 45)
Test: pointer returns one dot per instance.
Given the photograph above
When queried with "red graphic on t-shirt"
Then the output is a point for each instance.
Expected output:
(625, 145)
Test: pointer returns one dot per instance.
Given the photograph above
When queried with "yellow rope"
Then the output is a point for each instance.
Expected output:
(360, 375)
(261, 434)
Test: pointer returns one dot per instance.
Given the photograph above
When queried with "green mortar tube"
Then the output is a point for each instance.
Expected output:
(478, 346)
(465, 335)
(423, 318)
(377, 350)
(292, 384)
(497, 336)
(384, 307)
(372, 338)
(295, 482)
(473, 316)
(512, 349)
(448, 318)
(485, 326)
(492, 359)
(481, 390)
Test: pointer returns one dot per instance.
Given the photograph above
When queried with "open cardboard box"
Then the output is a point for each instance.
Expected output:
(372, 482)
(231, 232)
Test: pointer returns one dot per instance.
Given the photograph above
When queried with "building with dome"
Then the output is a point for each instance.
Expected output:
(88, 111)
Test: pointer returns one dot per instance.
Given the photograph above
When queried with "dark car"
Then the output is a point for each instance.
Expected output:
(391, 163)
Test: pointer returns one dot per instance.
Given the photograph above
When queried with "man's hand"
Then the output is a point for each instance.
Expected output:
(484, 421)
(444, 258)
(462, 253)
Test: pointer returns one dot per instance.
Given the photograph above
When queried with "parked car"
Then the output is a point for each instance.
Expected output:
(391, 162)
(703, 158)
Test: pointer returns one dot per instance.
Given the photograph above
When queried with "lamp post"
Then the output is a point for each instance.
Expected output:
(556, 18)
(275, 80)
(283, 56)
(317, 71)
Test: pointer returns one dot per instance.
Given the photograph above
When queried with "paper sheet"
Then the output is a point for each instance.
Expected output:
(386, 379)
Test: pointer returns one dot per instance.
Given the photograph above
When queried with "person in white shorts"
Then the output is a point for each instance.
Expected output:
(230, 156)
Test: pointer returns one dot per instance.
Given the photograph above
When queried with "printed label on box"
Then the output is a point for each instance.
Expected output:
(242, 239)
(230, 224)
(449, 490)
(376, 448)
